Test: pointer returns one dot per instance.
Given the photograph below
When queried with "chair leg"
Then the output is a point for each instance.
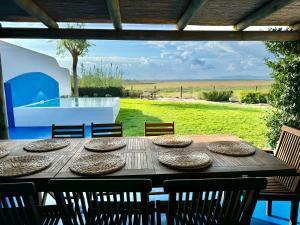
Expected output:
(269, 208)
(158, 213)
(294, 212)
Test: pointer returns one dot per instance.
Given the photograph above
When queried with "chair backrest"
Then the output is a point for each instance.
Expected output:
(93, 201)
(288, 150)
(158, 129)
(68, 131)
(107, 130)
(18, 204)
(212, 201)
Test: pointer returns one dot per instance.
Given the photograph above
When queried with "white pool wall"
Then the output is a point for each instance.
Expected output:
(46, 116)
(17, 60)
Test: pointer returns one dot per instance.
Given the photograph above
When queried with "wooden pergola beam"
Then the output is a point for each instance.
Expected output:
(189, 13)
(113, 7)
(34, 10)
(264, 11)
(3, 118)
(296, 26)
(157, 35)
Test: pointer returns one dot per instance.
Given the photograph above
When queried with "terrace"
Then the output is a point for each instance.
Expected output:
(62, 172)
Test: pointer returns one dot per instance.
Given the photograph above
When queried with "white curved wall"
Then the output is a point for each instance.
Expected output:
(17, 60)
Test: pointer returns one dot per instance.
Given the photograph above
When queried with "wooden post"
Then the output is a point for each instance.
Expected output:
(264, 11)
(154, 92)
(34, 10)
(3, 119)
(189, 13)
(298, 47)
(149, 35)
(113, 7)
(296, 27)
(181, 91)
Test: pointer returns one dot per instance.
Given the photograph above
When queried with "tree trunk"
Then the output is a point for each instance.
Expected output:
(75, 78)
(3, 120)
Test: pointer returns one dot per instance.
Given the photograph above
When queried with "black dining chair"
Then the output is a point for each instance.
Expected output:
(68, 131)
(107, 130)
(210, 201)
(18, 206)
(103, 201)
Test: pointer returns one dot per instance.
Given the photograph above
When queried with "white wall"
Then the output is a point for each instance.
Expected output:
(43, 116)
(17, 60)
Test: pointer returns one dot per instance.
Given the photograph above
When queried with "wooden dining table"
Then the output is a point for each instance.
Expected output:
(141, 154)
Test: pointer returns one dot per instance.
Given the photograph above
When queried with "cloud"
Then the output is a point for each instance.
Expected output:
(157, 44)
(144, 60)
(223, 47)
(169, 59)
(110, 59)
(231, 67)
(201, 63)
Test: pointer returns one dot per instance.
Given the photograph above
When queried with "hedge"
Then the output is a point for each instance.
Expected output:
(254, 98)
(217, 96)
(101, 91)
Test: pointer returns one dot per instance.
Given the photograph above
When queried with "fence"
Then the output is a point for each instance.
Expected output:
(185, 91)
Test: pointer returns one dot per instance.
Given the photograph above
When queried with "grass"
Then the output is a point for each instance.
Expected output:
(192, 89)
(235, 84)
(245, 122)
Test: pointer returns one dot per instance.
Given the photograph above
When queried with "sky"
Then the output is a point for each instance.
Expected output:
(168, 60)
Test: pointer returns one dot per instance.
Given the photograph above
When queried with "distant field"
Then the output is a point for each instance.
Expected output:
(247, 122)
(192, 89)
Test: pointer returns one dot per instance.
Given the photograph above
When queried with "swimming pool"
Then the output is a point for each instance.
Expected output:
(75, 102)
(68, 111)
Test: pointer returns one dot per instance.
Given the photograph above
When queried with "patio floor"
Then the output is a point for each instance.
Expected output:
(281, 210)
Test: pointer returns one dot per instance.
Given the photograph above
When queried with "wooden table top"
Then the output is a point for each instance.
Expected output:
(141, 161)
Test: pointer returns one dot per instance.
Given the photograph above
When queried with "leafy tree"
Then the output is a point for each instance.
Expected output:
(76, 48)
(285, 92)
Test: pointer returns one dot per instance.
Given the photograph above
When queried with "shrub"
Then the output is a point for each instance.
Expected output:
(254, 98)
(101, 91)
(284, 95)
(133, 93)
(217, 96)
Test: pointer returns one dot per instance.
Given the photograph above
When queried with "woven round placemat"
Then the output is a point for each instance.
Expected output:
(172, 141)
(3, 152)
(231, 148)
(46, 145)
(23, 165)
(97, 164)
(104, 144)
(185, 160)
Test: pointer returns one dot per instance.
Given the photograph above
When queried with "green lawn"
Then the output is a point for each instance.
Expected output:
(247, 122)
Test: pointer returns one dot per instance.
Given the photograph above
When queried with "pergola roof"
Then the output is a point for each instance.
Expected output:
(238, 13)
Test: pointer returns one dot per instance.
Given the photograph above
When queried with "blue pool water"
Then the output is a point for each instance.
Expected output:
(67, 111)
(75, 102)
